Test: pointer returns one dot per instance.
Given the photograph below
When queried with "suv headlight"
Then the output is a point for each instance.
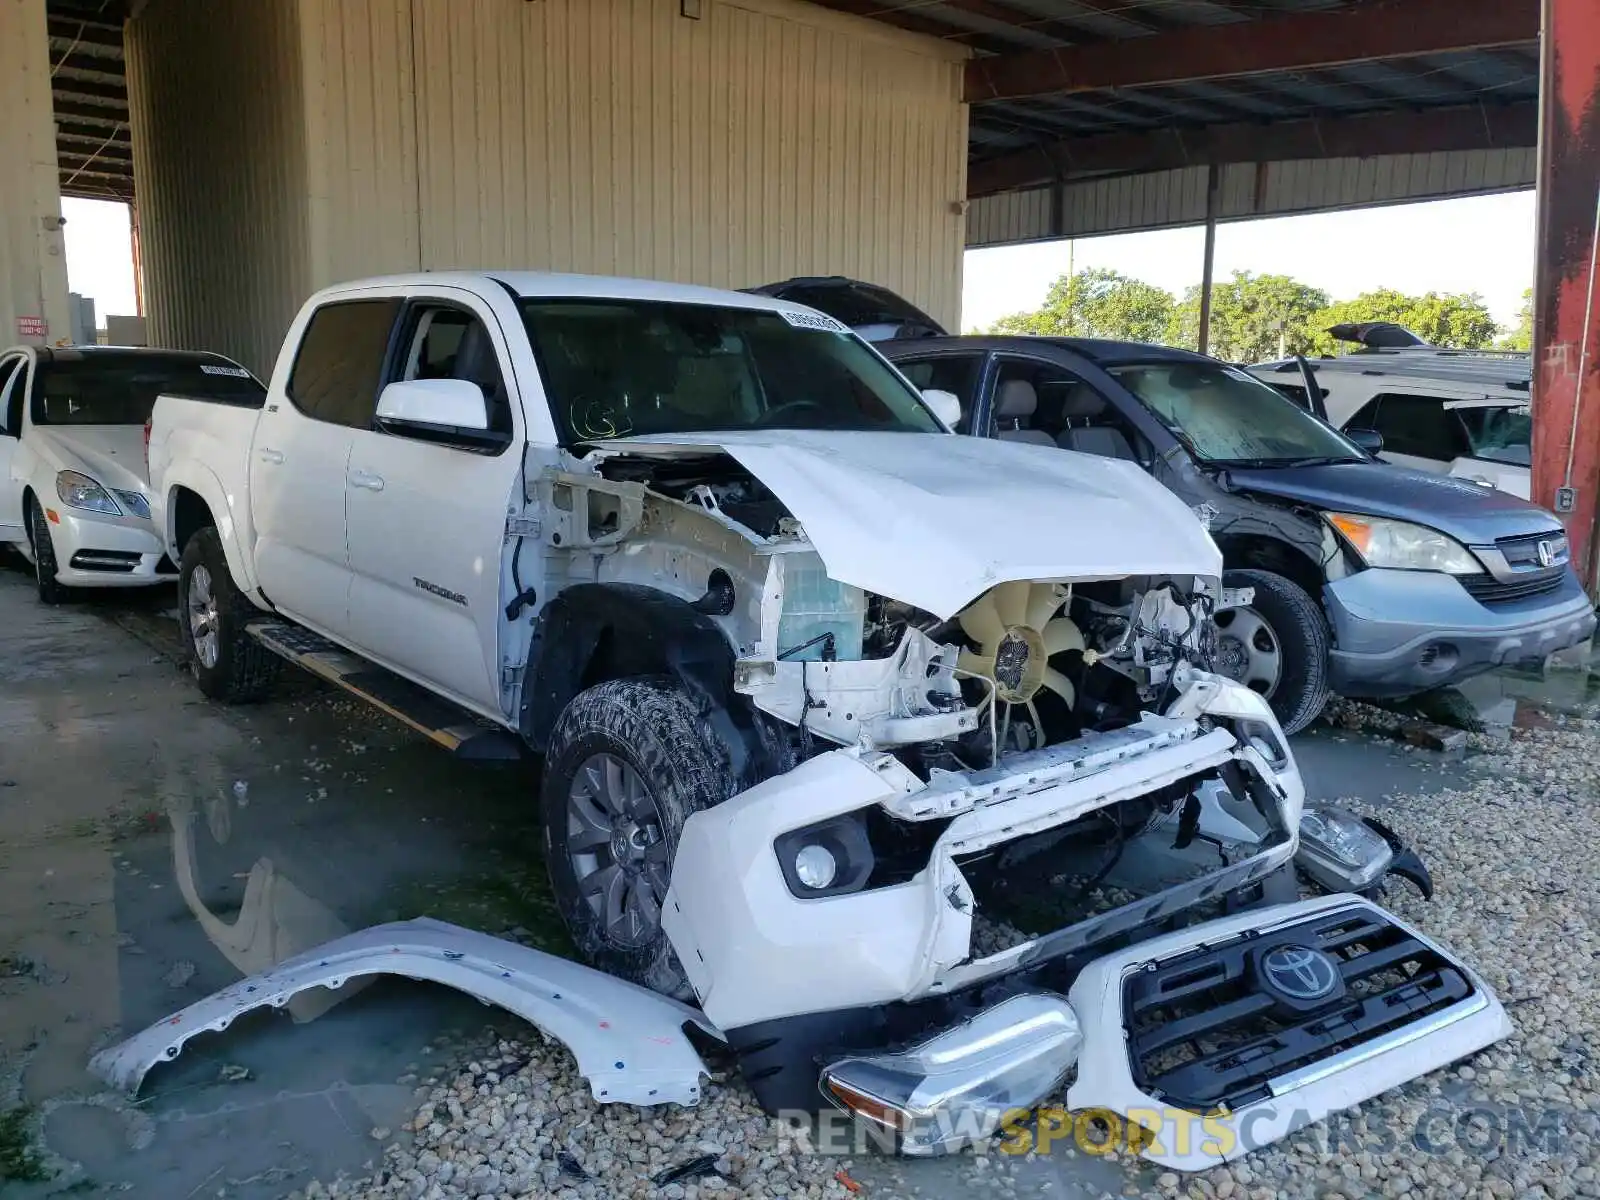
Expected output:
(829, 858)
(1402, 545)
(79, 491)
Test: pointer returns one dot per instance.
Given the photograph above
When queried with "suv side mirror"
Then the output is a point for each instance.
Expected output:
(437, 405)
(1369, 440)
(945, 405)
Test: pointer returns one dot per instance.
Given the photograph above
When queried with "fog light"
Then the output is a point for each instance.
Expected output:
(815, 867)
(1260, 736)
(957, 1087)
(1340, 851)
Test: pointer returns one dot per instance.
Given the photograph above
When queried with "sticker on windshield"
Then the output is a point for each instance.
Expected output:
(230, 372)
(812, 320)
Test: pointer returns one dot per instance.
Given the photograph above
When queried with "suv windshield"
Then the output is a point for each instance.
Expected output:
(1502, 435)
(1228, 417)
(616, 368)
(112, 387)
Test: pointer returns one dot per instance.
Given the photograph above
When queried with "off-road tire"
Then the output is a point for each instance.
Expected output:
(1302, 634)
(651, 724)
(245, 669)
(51, 591)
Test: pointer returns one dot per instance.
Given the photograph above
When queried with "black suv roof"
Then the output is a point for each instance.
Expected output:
(1105, 351)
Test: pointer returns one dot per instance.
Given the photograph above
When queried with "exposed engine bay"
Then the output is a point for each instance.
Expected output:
(1024, 665)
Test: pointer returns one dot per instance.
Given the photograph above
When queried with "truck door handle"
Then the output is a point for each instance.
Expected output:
(360, 479)
(270, 456)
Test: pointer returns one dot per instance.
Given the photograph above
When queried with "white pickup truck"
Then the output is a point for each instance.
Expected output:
(894, 752)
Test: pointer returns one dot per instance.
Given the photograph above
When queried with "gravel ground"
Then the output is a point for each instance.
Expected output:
(1516, 855)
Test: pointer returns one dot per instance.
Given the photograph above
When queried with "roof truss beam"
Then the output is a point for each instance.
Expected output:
(1477, 127)
(1365, 32)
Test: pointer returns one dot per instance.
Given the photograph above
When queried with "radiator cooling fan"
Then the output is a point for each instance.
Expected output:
(1017, 631)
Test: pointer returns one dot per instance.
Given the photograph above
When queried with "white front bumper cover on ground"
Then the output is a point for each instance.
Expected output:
(1188, 1141)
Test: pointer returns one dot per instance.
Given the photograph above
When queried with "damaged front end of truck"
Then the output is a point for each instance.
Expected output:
(1008, 762)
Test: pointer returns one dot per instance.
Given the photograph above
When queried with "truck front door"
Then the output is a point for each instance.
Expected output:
(427, 512)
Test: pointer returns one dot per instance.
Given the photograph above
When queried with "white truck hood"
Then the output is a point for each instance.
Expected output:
(935, 520)
(112, 455)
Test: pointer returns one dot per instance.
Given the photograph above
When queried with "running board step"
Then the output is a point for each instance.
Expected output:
(436, 719)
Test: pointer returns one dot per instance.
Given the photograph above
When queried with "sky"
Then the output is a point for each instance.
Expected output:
(1478, 244)
(1482, 244)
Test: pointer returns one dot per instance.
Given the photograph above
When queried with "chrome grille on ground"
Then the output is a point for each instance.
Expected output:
(1218, 1026)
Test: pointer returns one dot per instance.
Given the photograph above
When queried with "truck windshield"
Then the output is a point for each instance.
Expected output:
(1500, 434)
(615, 368)
(115, 387)
(1229, 418)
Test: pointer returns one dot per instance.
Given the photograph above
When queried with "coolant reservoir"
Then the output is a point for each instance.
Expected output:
(815, 605)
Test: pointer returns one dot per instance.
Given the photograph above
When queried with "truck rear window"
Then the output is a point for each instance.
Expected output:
(112, 387)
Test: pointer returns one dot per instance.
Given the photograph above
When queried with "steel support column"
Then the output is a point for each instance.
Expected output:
(1566, 398)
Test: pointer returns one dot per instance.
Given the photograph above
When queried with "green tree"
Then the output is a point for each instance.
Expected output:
(1520, 336)
(1097, 302)
(1456, 319)
(1251, 315)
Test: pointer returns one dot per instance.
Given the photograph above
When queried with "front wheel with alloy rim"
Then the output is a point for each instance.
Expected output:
(228, 663)
(628, 763)
(51, 591)
(1277, 646)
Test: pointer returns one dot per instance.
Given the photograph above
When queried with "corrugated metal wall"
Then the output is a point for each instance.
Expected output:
(1160, 199)
(220, 167)
(763, 140)
(33, 264)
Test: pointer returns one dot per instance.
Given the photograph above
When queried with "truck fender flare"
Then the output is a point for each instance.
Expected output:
(642, 631)
(193, 476)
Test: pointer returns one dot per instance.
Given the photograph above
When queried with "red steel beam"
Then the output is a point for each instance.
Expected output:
(1566, 378)
(1303, 41)
(1459, 128)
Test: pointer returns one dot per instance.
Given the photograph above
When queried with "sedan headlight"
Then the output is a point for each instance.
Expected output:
(1402, 545)
(79, 491)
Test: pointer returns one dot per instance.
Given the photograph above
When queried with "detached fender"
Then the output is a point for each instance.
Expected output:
(193, 476)
(630, 1043)
(599, 631)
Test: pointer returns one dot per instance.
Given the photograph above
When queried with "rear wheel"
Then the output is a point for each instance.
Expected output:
(1276, 646)
(228, 663)
(629, 761)
(44, 555)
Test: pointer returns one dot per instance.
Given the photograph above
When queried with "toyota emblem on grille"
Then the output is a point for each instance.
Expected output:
(1300, 973)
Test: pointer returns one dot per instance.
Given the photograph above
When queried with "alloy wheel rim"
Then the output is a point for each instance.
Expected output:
(203, 618)
(616, 843)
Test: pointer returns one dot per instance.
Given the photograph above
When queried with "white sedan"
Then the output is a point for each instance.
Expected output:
(74, 485)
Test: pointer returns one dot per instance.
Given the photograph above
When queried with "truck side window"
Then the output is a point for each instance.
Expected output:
(1419, 425)
(953, 373)
(451, 343)
(336, 372)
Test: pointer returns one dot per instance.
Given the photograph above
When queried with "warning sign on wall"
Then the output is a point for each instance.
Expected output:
(32, 327)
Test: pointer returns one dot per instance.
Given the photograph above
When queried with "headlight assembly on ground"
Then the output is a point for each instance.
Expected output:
(1340, 851)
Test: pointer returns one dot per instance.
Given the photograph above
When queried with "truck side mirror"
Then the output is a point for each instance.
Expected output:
(442, 405)
(945, 405)
(1369, 440)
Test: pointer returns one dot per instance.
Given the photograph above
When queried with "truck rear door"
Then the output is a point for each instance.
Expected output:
(427, 510)
(13, 392)
(301, 454)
